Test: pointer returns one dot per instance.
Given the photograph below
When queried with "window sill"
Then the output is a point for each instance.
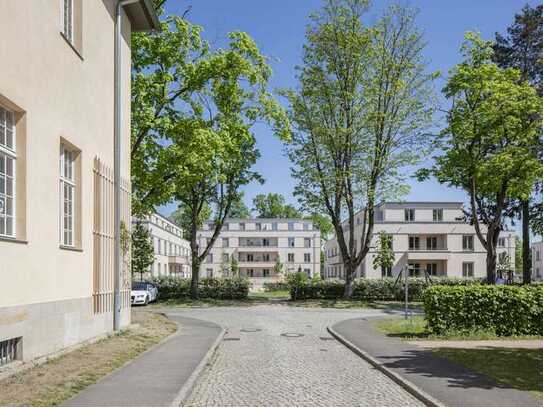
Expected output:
(72, 46)
(12, 240)
(70, 248)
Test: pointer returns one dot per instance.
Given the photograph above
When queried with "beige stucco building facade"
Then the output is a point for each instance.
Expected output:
(428, 236)
(258, 245)
(56, 161)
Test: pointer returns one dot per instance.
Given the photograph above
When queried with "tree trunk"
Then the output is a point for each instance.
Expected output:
(349, 281)
(526, 261)
(195, 279)
(491, 264)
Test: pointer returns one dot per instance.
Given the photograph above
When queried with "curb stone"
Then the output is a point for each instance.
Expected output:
(404, 383)
(187, 388)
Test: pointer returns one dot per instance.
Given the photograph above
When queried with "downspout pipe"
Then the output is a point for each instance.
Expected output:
(117, 135)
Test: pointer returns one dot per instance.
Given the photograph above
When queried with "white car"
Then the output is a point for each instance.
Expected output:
(143, 293)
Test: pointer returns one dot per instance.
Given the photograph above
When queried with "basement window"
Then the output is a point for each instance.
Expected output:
(10, 350)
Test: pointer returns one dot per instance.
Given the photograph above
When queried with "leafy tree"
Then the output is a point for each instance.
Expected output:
(143, 254)
(493, 124)
(225, 266)
(322, 223)
(278, 267)
(239, 209)
(194, 109)
(385, 256)
(273, 206)
(522, 48)
(234, 266)
(182, 218)
(363, 105)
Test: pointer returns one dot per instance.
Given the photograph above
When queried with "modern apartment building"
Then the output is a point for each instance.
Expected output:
(259, 244)
(172, 252)
(57, 87)
(427, 236)
(537, 261)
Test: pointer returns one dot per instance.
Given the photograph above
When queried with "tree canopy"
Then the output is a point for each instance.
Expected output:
(361, 111)
(273, 205)
(487, 146)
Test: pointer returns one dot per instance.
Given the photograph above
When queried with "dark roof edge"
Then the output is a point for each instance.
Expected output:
(151, 14)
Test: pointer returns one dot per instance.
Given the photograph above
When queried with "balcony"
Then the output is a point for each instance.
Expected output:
(257, 242)
(269, 257)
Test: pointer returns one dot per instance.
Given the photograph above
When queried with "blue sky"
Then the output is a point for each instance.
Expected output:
(278, 27)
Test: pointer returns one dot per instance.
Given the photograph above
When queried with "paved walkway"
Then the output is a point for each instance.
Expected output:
(447, 382)
(263, 362)
(159, 377)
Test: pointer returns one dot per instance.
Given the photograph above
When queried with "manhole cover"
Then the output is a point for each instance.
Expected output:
(230, 339)
(326, 338)
(250, 330)
(292, 335)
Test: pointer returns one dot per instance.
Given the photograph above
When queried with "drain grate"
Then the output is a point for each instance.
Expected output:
(326, 338)
(230, 339)
(250, 330)
(292, 334)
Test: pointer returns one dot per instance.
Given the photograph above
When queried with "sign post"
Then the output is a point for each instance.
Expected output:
(406, 287)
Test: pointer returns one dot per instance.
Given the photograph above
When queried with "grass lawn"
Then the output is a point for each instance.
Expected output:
(55, 381)
(416, 328)
(519, 368)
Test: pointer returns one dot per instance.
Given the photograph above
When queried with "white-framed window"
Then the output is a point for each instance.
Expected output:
(467, 269)
(290, 257)
(414, 243)
(225, 242)
(67, 19)
(67, 196)
(467, 242)
(437, 215)
(307, 257)
(307, 242)
(409, 215)
(8, 156)
(501, 242)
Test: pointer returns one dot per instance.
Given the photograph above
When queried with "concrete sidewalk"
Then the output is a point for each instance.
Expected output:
(443, 381)
(162, 376)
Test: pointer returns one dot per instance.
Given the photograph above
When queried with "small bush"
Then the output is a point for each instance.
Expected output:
(216, 288)
(277, 286)
(502, 310)
(366, 289)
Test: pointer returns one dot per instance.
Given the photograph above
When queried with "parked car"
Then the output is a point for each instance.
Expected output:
(143, 293)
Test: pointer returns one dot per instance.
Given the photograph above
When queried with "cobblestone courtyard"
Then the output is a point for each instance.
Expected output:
(256, 365)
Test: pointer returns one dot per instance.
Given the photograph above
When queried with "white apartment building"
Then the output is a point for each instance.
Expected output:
(537, 261)
(258, 244)
(427, 236)
(172, 252)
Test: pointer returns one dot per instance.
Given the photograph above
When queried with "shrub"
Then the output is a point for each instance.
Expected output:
(383, 289)
(503, 310)
(217, 288)
(277, 286)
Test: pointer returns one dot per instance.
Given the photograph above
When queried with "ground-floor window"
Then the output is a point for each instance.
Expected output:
(266, 272)
(467, 269)
(414, 269)
(431, 269)
(386, 271)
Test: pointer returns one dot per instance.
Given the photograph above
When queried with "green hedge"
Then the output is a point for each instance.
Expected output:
(277, 286)
(217, 288)
(366, 288)
(503, 310)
